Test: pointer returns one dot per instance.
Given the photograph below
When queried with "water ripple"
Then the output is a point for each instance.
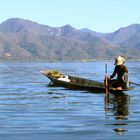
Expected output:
(29, 109)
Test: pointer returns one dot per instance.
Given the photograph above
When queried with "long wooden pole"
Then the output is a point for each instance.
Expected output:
(106, 79)
(107, 89)
(134, 83)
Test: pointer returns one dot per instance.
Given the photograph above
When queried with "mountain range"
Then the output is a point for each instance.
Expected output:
(24, 39)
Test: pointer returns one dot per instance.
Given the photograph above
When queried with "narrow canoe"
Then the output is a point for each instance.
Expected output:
(80, 83)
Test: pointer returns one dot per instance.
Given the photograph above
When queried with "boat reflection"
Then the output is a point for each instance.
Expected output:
(116, 111)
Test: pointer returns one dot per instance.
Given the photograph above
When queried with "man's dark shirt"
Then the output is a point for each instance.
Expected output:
(119, 70)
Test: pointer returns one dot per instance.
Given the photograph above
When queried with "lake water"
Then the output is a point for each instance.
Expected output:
(30, 110)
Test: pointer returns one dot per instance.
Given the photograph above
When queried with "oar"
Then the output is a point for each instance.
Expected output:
(134, 83)
(106, 79)
(106, 89)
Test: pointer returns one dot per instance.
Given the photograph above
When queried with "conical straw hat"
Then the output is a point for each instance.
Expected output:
(119, 60)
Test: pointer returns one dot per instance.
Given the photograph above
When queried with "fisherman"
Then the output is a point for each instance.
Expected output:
(121, 70)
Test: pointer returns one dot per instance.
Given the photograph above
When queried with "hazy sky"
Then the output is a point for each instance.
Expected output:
(97, 15)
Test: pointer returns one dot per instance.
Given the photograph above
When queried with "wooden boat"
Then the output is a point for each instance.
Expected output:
(73, 82)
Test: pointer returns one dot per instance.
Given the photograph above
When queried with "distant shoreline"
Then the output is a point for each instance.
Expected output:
(52, 61)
